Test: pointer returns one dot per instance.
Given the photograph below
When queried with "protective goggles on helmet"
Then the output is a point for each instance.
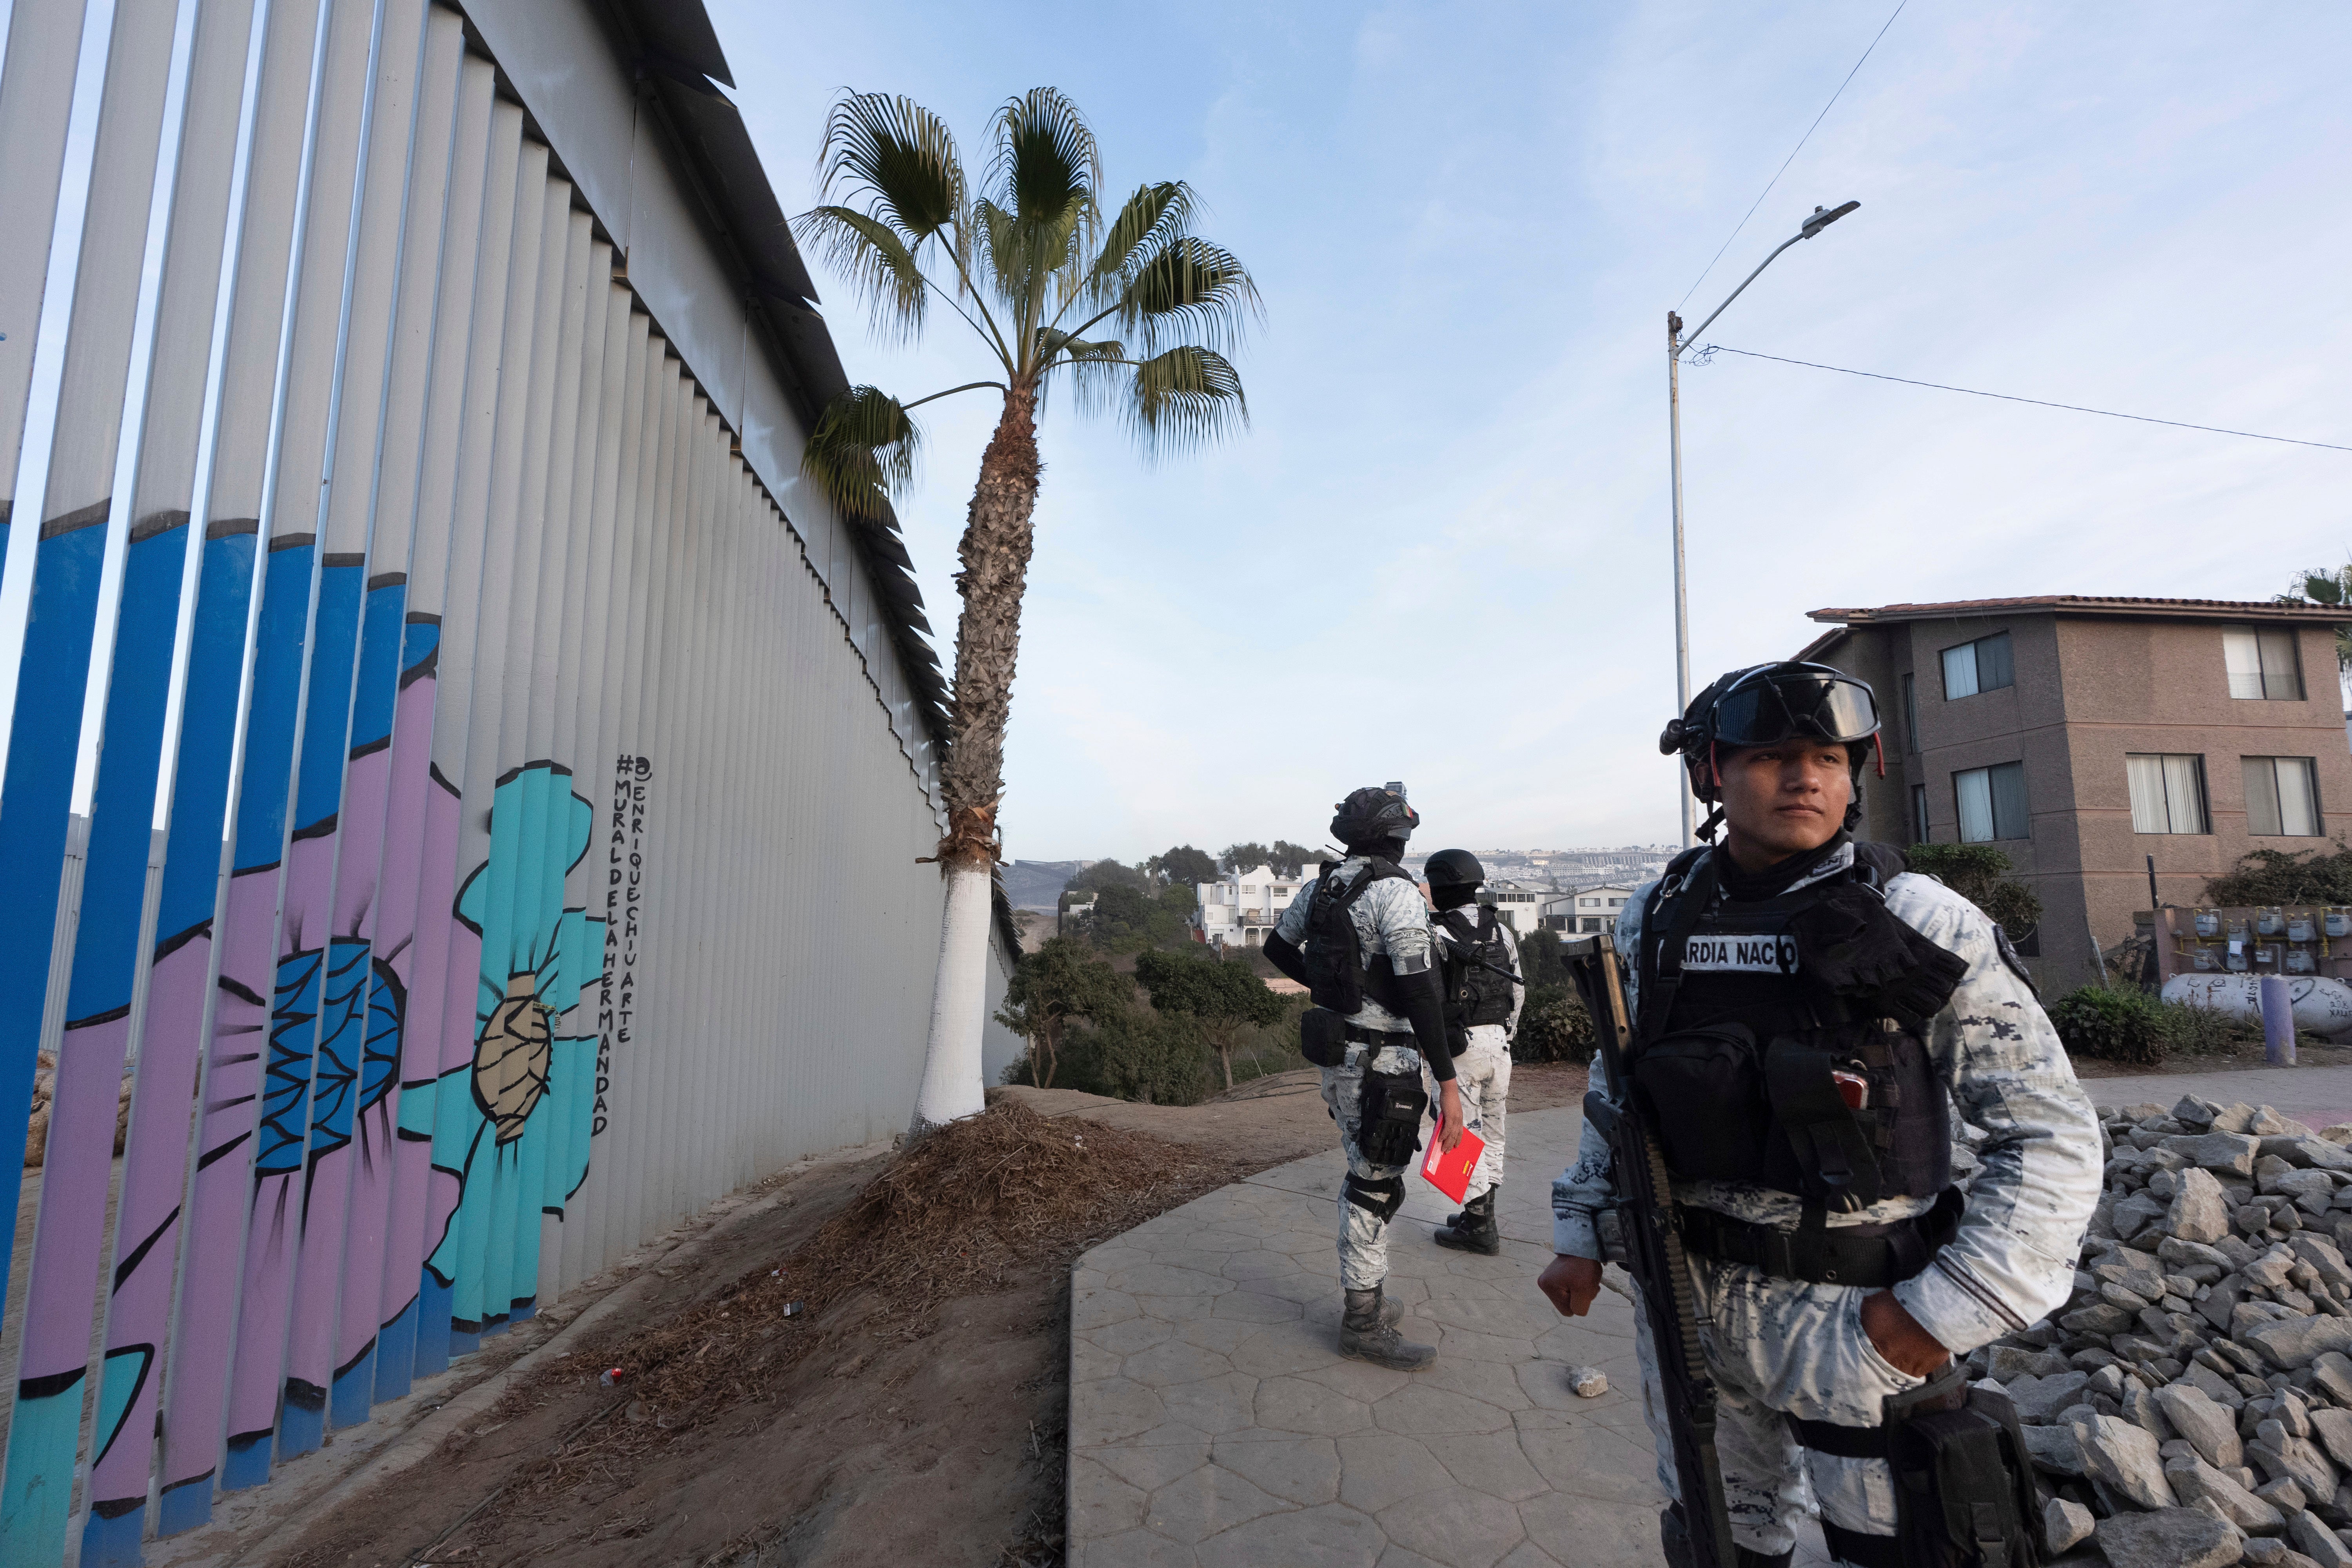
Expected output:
(1786, 701)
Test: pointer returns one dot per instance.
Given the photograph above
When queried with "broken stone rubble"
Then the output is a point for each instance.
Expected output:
(2191, 1402)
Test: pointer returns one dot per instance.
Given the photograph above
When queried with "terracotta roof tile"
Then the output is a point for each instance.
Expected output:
(2083, 604)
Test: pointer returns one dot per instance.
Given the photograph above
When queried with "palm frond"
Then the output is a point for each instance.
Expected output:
(1046, 165)
(1153, 217)
(1098, 372)
(869, 253)
(1188, 286)
(897, 160)
(863, 451)
(1185, 398)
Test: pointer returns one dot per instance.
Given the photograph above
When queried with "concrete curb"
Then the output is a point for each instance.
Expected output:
(276, 1531)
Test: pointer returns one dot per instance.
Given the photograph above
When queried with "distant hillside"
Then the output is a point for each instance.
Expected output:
(1038, 884)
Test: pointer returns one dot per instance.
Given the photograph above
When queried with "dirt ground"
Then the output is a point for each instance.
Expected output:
(2310, 1051)
(865, 1444)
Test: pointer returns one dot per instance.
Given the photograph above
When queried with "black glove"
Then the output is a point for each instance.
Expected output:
(1850, 942)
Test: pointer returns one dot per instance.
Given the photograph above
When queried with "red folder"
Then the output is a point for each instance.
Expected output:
(1450, 1173)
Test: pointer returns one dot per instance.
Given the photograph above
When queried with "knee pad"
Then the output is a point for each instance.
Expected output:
(1381, 1198)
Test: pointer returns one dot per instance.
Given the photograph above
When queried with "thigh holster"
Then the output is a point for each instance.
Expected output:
(1381, 1198)
(1389, 1127)
(1965, 1492)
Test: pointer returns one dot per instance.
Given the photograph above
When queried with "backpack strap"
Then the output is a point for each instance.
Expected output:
(1692, 875)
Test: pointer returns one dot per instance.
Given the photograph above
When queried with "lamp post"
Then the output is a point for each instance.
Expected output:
(1676, 342)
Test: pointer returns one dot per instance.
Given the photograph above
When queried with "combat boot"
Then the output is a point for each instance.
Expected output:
(1472, 1229)
(1368, 1331)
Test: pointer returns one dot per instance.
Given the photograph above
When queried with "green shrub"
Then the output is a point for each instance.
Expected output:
(2190, 1030)
(1145, 1056)
(2281, 876)
(1979, 873)
(1553, 1027)
(2114, 1026)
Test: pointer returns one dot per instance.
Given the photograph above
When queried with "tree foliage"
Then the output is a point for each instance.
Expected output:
(1290, 860)
(1979, 873)
(1028, 256)
(1222, 998)
(1183, 866)
(1131, 919)
(1049, 987)
(1103, 874)
(2326, 586)
(2286, 877)
(1244, 856)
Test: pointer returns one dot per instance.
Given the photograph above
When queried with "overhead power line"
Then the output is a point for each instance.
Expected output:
(2007, 398)
(1791, 158)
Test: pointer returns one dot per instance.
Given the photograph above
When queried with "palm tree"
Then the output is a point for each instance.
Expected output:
(2322, 585)
(1032, 268)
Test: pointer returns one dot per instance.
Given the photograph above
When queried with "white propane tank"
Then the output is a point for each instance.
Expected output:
(2323, 1007)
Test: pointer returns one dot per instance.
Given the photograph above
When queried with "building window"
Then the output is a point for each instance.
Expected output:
(2262, 664)
(1919, 814)
(2282, 798)
(2167, 793)
(1911, 715)
(1984, 665)
(1992, 803)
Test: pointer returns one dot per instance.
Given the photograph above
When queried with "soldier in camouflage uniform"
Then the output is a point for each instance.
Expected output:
(1800, 1364)
(1361, 928)
(1479, 961)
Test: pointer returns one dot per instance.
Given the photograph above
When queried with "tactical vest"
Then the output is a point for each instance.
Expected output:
(1478, 972)
(1751, 1072)
(1337, 974)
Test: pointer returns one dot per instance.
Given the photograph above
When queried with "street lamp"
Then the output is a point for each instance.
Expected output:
(1823, 217)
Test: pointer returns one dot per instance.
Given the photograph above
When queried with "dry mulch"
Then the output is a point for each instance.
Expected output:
(950, 1218)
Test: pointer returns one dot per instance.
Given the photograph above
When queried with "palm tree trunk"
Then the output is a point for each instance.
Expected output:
(995, 556)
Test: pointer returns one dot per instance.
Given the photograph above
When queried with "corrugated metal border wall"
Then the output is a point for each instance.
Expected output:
(541, 770)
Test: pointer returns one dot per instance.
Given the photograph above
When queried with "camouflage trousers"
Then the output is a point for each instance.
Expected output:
(1782, 1347)
(1363, 1235)
(1482, 1075)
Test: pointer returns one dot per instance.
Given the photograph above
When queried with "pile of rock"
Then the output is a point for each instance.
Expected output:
(2191, 1405)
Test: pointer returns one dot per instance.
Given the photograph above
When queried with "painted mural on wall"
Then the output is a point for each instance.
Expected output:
(371, 958)
(512, 1122)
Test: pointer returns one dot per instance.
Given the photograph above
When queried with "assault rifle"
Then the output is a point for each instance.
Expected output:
(1655, 1257)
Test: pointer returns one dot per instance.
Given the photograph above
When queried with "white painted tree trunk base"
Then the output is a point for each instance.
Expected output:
(953, 1087)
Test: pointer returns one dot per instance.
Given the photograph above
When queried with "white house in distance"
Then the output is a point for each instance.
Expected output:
(1586, 909)
(1239, 908)
(1516, 902)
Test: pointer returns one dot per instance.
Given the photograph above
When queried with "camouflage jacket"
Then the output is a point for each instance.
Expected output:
(1993, 1045)
(1390, 918)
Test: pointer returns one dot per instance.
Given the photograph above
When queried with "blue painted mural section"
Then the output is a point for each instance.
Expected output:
(35, 805)
(276, 691)
(123, 806)
(200, 778)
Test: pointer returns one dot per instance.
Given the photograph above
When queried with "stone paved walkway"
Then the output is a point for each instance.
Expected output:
(1214, 1423)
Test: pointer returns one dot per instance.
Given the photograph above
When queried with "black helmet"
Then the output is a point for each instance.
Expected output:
(1453, 869)
(1766, 703)
(1372, 814)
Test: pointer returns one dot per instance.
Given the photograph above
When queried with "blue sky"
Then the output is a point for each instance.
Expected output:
(1441, 555)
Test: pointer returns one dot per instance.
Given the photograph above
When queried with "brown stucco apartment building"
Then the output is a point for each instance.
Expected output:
(2080, 736)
